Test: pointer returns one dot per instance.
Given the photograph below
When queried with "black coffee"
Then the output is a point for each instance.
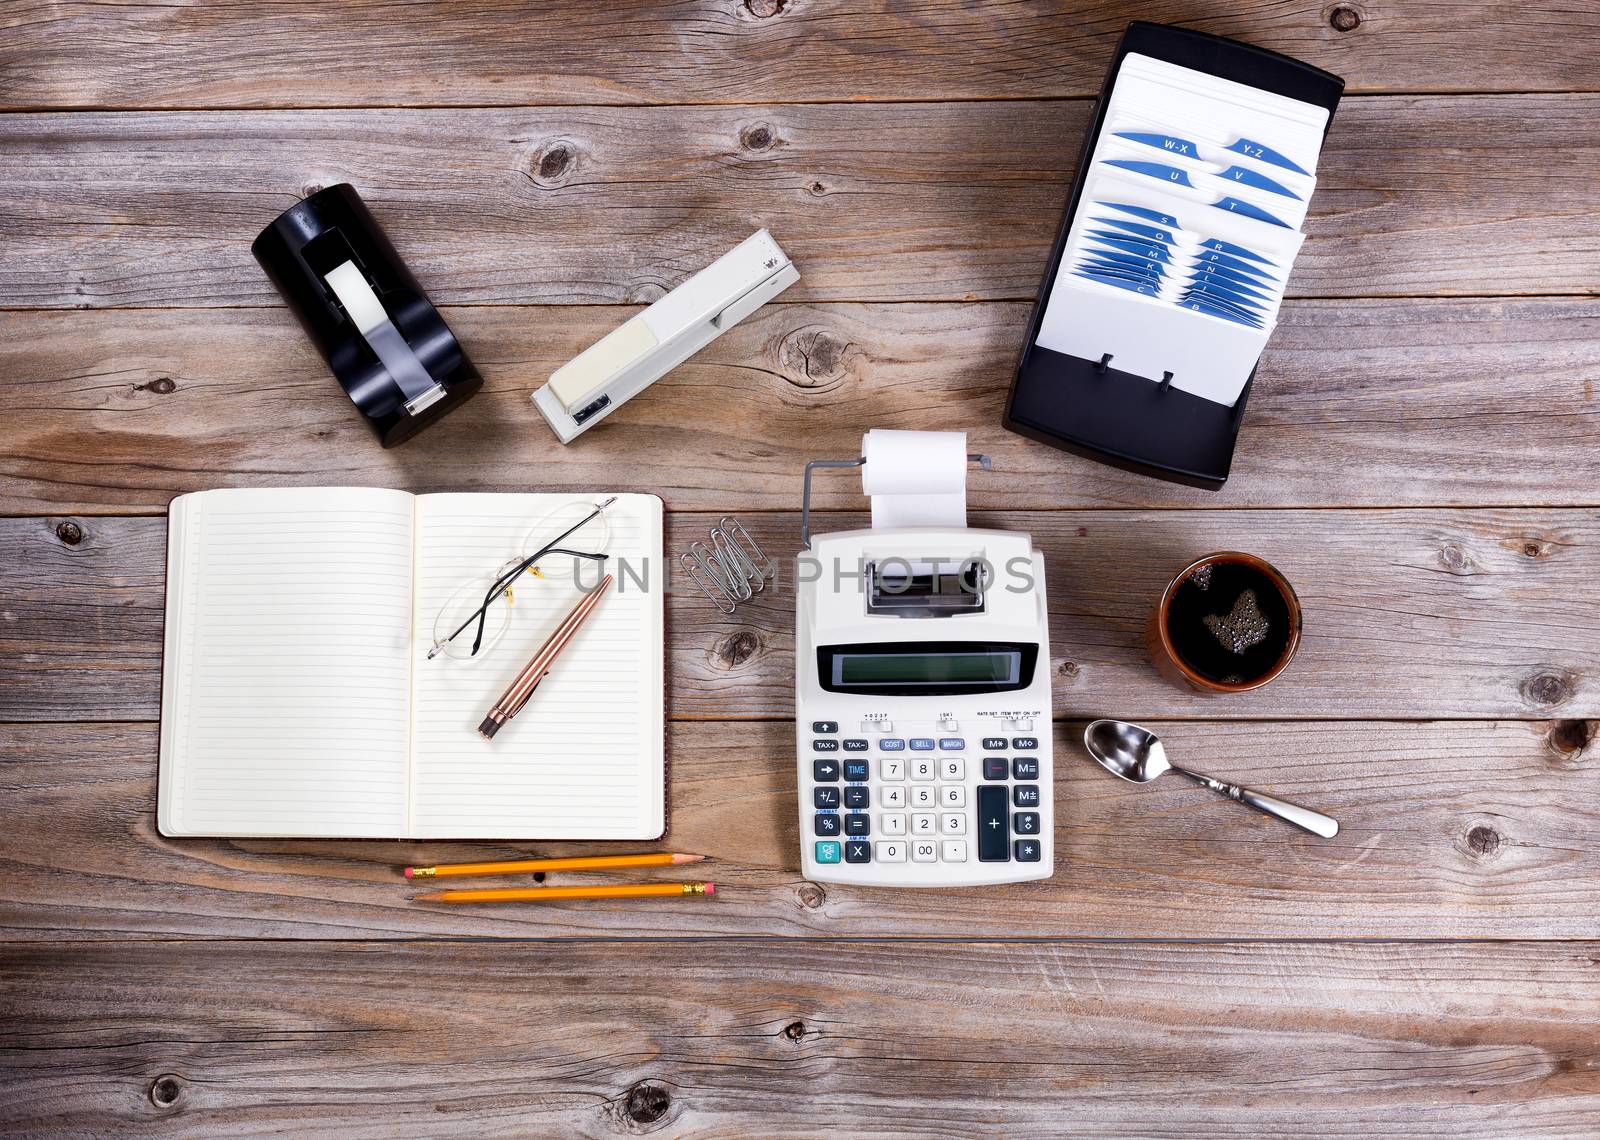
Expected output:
(1228, 623)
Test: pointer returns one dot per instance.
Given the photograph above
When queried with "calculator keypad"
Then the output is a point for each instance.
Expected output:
(924, 800)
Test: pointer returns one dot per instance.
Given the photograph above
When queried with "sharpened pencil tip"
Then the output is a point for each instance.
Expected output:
(687, 858)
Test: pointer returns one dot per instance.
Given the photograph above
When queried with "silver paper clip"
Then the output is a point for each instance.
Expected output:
(732, 569)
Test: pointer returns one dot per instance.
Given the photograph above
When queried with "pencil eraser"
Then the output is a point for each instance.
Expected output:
(408, 871)
(711, 888)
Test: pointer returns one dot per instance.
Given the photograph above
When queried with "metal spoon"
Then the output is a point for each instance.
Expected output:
(1136, 754)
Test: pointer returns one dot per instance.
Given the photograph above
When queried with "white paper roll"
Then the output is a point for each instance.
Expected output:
(915, 478)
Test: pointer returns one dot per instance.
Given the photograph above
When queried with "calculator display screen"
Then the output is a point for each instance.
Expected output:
(926, 668)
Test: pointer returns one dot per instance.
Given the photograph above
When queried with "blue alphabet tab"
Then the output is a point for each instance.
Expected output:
(1169, 143)
(1265, 154)
(1152, 169)
(1247, 177)
(1235, 206)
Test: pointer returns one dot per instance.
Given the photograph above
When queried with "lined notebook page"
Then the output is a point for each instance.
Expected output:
(286, 686)
(586, 758)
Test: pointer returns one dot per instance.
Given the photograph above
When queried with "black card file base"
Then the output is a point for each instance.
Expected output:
(1088, 407)
(1124, 420)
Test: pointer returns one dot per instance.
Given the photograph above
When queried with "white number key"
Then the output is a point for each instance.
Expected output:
(892, 797)
(891, 768)
(954, 768)
(922, 823)
(953, 795)
(955, 850)
(923, 797)
(923, 769)
(893, 822)
(891, 851)
(924, 851)
(954, 823)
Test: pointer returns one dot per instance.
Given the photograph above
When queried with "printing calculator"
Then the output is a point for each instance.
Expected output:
(922, 708)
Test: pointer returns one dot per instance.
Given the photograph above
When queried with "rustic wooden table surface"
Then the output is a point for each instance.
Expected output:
(1420, 456)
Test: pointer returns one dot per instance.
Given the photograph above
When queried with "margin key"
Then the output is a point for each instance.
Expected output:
(994, 824)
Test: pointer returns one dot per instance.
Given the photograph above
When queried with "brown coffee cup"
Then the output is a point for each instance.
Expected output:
(1225, 642)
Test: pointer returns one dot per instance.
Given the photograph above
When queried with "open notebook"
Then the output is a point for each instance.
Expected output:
(298, 699)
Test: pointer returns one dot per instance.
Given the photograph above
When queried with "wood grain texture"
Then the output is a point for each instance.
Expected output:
(734, 1040)
(1436, 402)
(1428, 613)
(1449, 830)
(946, 201)
(302, 53)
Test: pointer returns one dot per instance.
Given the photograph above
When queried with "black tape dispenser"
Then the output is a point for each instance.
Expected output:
(388, 346)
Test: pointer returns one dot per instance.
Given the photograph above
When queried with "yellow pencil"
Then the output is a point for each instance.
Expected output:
(577, 863)
(550, 894)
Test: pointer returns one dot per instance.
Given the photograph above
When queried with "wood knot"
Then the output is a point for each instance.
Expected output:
(1547, 687)
(646, 1103)
(812, 896)
(1569, 738)
(1483, 841)
(814, 357)
(552, 166)
(758, 137)
(1344, 18)
(1069, 670)
(795, 1030)
(1455, 559)
(69, 532)
(165, 1090)
(737, 648)
(160, 386)
(816, 189)
(765, 9)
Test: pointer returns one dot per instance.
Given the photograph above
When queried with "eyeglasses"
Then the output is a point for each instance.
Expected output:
(479, 612)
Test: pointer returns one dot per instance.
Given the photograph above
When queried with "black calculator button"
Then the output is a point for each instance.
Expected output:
(1025, 795)
(855, 769)
(853, 797)
(994, 743)
(994, 767)
(826, 823)
(824, 746)
(1025, 768)
(1025, 743)
(855, 745)
(858, 851)
(994, 836)
(825, 771)
(824, 726)
(1025, 822)
(858, 823)
(1029, 850)
(825, 797)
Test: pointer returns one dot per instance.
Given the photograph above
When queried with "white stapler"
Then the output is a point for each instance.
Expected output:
(635, 355)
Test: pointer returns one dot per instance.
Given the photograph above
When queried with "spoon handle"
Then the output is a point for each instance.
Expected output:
(1302, 817)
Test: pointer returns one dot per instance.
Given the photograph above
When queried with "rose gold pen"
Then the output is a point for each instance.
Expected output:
(512, 700)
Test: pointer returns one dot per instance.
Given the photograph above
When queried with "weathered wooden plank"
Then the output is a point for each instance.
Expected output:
(924, 201)
(1449, 830)
(1439, 402)
(341, 1039)
(300, 53)
(1408, 614)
